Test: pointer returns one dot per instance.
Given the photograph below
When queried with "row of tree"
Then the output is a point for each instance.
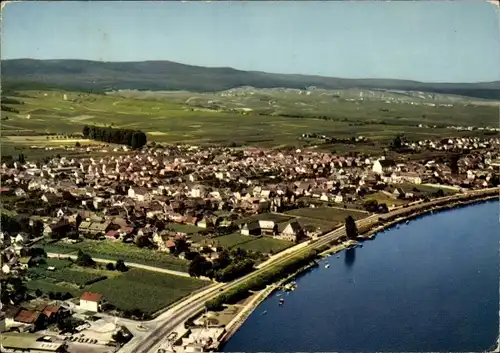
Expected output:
(259, 282)
(133, 138)
(227, 267)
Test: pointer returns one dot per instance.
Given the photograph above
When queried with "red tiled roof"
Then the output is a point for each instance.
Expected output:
(91, 297)
(112, 233)
(51, 310)
(170, 244)
(27, 317)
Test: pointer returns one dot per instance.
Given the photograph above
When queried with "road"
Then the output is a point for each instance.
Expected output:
(129, 264)
(183, 311)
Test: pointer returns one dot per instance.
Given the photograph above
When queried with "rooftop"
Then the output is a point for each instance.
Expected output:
(91, 297)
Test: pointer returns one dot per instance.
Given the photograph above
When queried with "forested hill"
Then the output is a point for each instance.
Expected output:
(98, 76)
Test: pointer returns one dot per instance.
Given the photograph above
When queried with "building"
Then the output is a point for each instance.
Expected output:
(251, 228)
(30, 343)
(91, 301)
(382, 166)
(293, 231)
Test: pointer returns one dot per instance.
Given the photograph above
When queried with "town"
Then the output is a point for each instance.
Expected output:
(80, 234)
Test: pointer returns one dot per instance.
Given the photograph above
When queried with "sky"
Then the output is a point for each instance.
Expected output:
(442, 41)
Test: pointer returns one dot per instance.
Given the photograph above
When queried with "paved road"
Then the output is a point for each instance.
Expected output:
(182, 312)
(129, 264)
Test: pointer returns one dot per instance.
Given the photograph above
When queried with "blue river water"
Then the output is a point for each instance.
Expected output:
(430, 285)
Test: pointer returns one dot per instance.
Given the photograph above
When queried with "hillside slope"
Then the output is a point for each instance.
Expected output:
(167, 75)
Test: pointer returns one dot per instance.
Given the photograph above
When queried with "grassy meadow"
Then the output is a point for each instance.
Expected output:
(274, 118)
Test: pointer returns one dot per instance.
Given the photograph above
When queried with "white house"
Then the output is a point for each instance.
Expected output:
(139, 194)
(380, 166)
(91, 301)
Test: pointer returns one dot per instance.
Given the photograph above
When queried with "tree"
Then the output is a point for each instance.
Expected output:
(110, 266)
(78, 144)
(141, 241)
(454, 163)
(120, 266)
(350, 227)
(397, 143)
(21, 158)
(37, 228)
(495, 180)
(84, 259)
(199, 266)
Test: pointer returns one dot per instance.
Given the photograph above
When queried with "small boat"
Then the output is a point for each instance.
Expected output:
(282, 301)
(264, 312)
(407, 221)
(327, 266)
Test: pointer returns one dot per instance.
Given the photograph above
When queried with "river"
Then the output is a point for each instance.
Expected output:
(431, 285)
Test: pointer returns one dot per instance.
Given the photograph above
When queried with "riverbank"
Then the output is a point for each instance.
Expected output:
(416, 211)
(254, 303)
(421, 212)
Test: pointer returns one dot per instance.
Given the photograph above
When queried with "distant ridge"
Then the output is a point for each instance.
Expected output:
(97, 76)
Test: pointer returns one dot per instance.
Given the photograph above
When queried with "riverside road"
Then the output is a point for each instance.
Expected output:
(188, 308)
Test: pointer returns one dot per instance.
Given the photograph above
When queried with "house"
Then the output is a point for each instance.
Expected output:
(399, 193)
(205, 223)
(170, 245)
(338, 198)
(91, 301)
(268, 227)
(293, 231)
(25, 262)
(382, 166)
(37, 319)
(251, 228)
(20, 192)
(84, 227)
(30, 343)
(139, 194)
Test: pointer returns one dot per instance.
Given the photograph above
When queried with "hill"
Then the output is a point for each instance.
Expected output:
(95, 76)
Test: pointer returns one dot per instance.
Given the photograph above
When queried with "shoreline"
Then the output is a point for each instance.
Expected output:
(369, 234)
(240, 318)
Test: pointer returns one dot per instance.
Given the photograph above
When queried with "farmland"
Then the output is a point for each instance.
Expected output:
(127, 291)
(232, 240)
(124, 290)
(119, 250)
(266, 245)
(262, 244)
(186, 118)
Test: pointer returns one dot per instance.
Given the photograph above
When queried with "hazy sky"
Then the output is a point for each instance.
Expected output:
(421, 40)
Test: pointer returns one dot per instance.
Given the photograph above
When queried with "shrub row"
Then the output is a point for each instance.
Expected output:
(261, 281)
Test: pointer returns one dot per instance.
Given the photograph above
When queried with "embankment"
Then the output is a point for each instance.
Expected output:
(259, 297)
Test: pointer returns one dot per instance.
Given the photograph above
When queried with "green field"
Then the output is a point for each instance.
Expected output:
(67, 273)
(263, 244)
(47, 286)
(266, 245)
(177, 117)
(185, 228)
(125, 290)
(330, 214)
(277, 218)
(118, 250)
(232, 240)
(145, 290)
